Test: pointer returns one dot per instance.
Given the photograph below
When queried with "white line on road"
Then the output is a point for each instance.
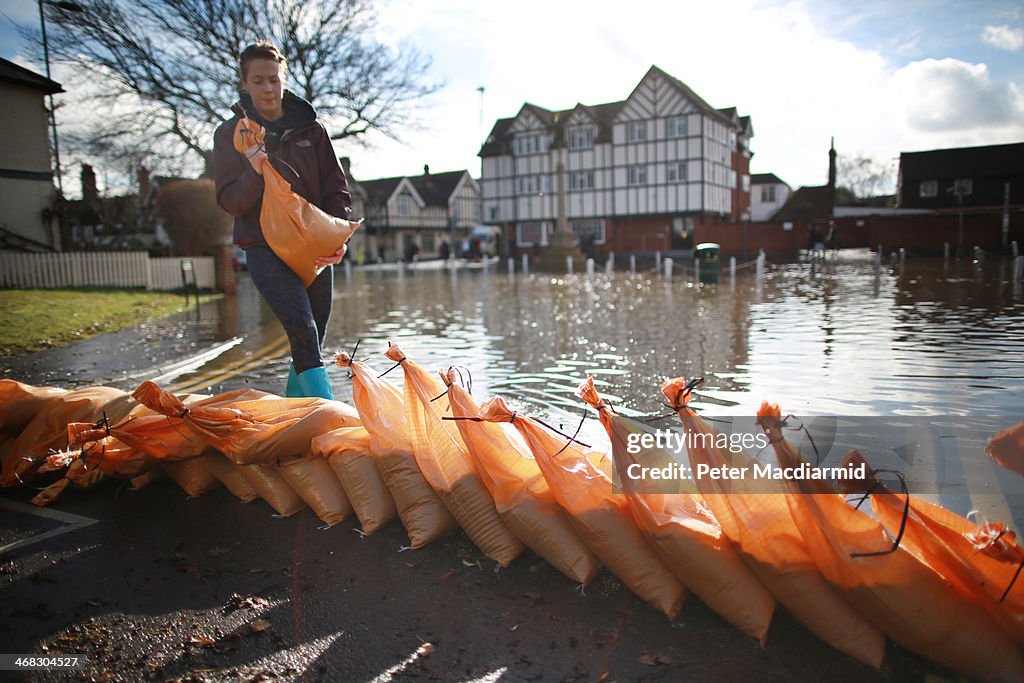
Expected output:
(70, 523)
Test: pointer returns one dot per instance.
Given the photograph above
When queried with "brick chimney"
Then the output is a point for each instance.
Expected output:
(89, 194)
(426, 169)
(832, 176)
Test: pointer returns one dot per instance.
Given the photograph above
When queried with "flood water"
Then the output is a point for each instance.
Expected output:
(927, 338)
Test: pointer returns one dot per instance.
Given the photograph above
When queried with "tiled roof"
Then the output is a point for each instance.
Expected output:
(437, 188)
(766, 179)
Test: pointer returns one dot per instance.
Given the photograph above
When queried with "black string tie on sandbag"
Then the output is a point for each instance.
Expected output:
(462, 380)
(104, 423)
(800, 427)
(573, 437)
(903, 522)
(677, 402)
(397, 363)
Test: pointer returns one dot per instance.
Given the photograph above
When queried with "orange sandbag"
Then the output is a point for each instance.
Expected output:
(1007, 448)
(601, 518)
(159, 436)
(903, 597)
(982, 561)
(757, 519)
(272, 488)
(143, 480)
(297, 231)
(521, 494)
(77, 475)
(20, 403)
(444, 461)
(48, 429)
(230, 475)
(382, 411)
(249, 432)
(191, 475)
(348, 451)
(315, 482)
(685, 534)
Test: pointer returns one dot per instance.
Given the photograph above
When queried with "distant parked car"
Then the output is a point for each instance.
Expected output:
(239, 259)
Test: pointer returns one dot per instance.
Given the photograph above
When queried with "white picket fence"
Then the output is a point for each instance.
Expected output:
(127, 269)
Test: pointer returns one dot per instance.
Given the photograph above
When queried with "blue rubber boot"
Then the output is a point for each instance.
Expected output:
(292, 388)
(314, 383)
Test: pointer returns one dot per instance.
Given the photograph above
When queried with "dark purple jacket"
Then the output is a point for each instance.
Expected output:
(304, 157)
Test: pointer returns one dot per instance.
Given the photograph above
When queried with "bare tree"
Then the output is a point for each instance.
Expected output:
(165, 70)
(865, 176)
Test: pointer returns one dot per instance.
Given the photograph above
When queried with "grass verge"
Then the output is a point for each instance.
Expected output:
(33, 319)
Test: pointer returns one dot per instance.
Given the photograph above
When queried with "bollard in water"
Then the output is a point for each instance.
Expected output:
(1013, 250)
(525, 260)
(892, 259)
(668, 268)
(903, 256)
(609, 264)
(696, 270)
(657, 260)
(512, 264)
(1020, 269)
(978, 254)
(590, 268)
(732, 267)
(878, 264)
(486, 263)
(760, 264)
(945, 250)
(632, 262)
(348, 269)
(568, 265)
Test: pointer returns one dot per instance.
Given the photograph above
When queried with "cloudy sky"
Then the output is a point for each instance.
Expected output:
(880, 76)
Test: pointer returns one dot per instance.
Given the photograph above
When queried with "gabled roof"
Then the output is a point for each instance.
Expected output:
(964, 162)
(766, 179)
(437, 188)
(604, 115)
(19, 75)
(806, 204)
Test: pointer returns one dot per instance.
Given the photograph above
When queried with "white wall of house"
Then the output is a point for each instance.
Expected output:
(766, 199)
(25, 149)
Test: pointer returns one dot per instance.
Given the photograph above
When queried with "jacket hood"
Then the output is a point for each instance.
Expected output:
(298, 113)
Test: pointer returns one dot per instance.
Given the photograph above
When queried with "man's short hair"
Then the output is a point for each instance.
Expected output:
(261, 49)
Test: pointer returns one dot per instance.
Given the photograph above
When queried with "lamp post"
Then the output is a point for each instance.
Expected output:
(70, 7)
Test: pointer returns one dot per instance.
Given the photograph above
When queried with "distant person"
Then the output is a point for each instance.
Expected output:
(299, 147)
(412, 251)
(833, 237)
(444, 251)
(815, 245)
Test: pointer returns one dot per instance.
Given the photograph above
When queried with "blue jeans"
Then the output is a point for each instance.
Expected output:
(302, 312)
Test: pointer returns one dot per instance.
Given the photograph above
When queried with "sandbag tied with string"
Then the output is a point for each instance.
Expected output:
(47, 431)
(521, 495)
(20, 403)
(445, 463)
(601, 517)
(683, 531)
(756, 517)
(297, 231)
(905, 598)
(382, 411)
(982, 561)
(254, 431)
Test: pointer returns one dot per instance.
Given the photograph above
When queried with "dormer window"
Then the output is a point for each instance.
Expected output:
(529, 143)
(675, 127)
(581, 137)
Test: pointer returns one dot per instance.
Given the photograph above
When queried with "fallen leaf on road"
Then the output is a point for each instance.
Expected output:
(259, 625)
(657, 658)
(201, 641)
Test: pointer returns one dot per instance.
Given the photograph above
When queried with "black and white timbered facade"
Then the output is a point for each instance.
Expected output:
(634, 175)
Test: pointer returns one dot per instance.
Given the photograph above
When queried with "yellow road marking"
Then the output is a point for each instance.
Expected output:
(207, 379)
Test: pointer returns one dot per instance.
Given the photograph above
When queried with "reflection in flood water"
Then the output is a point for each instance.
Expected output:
(926, 339)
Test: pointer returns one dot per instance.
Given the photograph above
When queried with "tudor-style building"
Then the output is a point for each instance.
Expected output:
(634, 176)
(428, 210)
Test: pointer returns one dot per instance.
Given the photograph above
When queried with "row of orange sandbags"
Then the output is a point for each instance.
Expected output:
(509, 482)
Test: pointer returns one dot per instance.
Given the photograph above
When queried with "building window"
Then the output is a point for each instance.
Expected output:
(532, 233)
(533, 184)
(768, 193)
(581, 180)
(404, 205)
(636, 175)
(963, 186)
(492, 213)
(675, 126)
(581, 137)
(589, 228)
(929, 188)
(676, 172)
(746, 183)
(533, 143)
(636, 131)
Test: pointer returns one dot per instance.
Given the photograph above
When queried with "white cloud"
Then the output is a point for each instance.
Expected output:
(1003, 37)
(947, 95)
